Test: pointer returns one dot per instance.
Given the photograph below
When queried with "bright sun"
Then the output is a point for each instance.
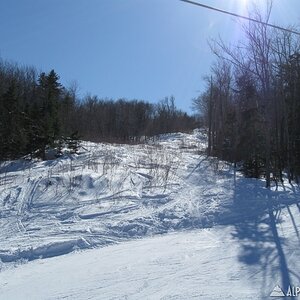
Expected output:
(244, 2)
(243, 5)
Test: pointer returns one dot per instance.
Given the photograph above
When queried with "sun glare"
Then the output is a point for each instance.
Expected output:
(244, 5)
(239, 6)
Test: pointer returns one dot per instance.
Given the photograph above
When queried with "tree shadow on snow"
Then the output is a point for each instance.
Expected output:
(264, 248)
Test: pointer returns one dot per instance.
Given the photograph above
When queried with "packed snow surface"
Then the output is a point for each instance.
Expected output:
(177, 225)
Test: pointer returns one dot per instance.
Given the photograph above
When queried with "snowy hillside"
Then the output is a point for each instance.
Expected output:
(225, 237)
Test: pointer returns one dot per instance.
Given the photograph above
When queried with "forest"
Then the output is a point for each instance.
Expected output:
(251, 104)
(38, 113)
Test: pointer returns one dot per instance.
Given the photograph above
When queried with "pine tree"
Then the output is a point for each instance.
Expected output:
(12, 135)
(73, 142)
(49, 90)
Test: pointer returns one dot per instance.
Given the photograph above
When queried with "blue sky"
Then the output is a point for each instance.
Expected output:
(142, 49)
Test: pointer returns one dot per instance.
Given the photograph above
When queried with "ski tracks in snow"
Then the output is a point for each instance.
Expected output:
(111, 193)
(25, 200)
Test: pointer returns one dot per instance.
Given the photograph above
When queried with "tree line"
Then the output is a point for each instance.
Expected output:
(129, 121)
(38, 113)
(251, 104)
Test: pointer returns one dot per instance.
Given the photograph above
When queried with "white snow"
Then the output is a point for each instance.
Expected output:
(176, 225)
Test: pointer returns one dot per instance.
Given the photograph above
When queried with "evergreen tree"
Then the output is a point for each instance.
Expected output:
(12, 135)
(49, 91)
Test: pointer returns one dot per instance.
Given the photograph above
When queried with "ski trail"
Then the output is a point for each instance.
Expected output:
(170, 189)
(25, 199)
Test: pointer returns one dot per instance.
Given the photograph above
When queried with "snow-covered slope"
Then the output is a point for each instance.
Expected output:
(227, 236)
(109, 193)
(238, 261)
